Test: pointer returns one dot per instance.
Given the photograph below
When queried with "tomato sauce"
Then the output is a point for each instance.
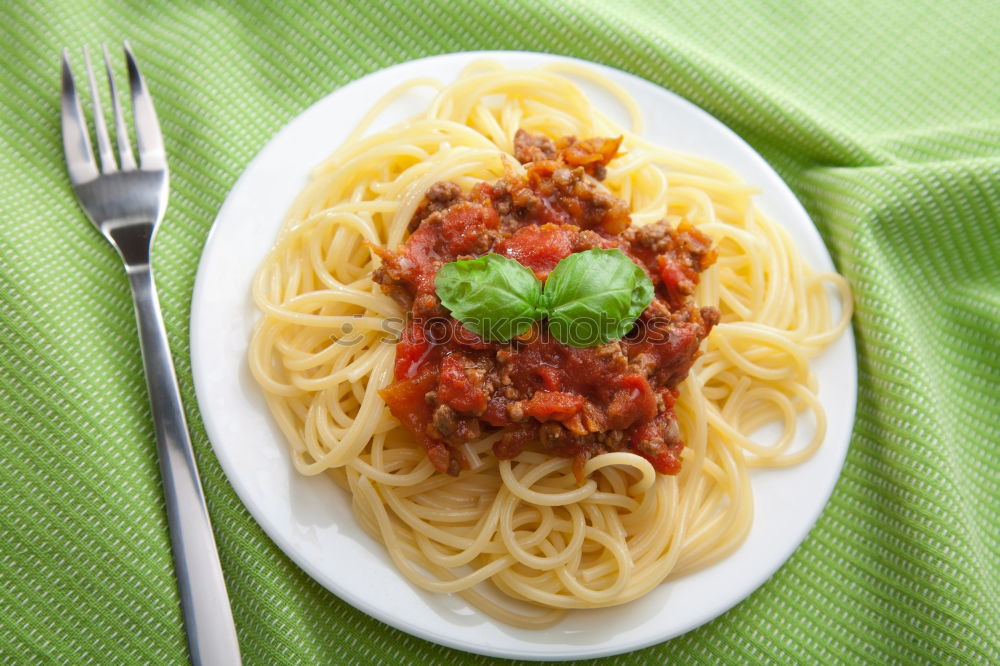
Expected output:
(451, 386)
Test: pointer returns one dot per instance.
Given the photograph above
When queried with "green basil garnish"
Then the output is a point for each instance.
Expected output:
(494, 297)
(590, 297)
(594, 297)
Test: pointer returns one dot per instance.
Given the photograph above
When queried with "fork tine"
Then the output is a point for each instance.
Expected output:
(147, 127)
(108, 164)
(121, 131)
(76, 144)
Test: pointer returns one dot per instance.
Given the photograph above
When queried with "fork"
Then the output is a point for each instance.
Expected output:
(126, 202)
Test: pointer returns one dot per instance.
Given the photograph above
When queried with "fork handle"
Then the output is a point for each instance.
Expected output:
(208, 618)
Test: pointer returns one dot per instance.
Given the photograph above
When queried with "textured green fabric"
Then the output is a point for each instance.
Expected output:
(883, 117)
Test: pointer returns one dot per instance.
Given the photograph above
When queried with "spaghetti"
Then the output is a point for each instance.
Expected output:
(521, 539)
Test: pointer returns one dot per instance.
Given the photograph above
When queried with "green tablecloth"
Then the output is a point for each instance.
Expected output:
(883, 117)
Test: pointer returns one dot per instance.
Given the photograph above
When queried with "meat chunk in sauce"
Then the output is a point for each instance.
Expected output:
(533, 147)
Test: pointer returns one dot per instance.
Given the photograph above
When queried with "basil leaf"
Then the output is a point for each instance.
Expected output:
(494, 297)
(594, 297)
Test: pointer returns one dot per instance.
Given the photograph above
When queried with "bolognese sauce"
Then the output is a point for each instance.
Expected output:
(451, 386)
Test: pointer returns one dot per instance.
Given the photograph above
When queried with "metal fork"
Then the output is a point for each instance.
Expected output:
(126, 201)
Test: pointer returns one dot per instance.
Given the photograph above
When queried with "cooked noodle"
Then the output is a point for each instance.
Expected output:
(524, 527)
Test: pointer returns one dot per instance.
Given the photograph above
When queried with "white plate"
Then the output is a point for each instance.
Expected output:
(310, 518)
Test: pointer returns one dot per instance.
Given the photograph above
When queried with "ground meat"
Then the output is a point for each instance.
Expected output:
(611, 440)
(588, 240)
(710, 316)
(445, 420)
(612, 351)
(553, 436)
(533, 147)
(525, 202)
(428, 306)
(515, 410)
(439, 196)
(677, 257)
(447, 425)
(655, 237)
(690, 246)
(585, 201)
(395, 287)
(591, 154)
